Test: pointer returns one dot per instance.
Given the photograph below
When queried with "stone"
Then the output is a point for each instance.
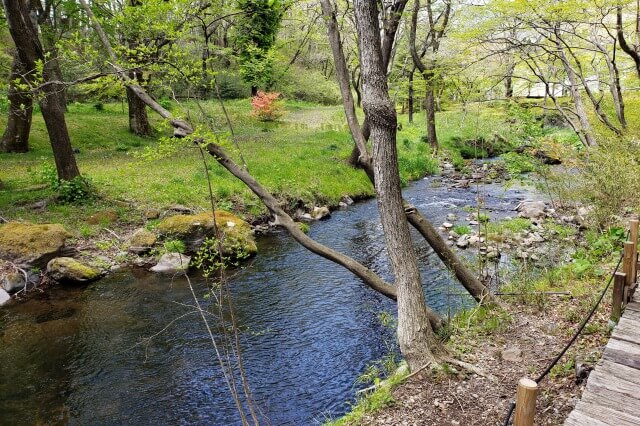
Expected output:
(32, 244)
(141, 241)
(512, 354)
(172, 263)
(151, 214)
(12, 281)
(103, 218)
(463, 242)
(531, 209)
(447, 225)
(342, 205)
(4, 297)
(347, 200)
(192, 230)
(451, 217)
(67, 270)
(319, 213)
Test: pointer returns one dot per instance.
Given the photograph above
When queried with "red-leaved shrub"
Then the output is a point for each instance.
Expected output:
(266, 106)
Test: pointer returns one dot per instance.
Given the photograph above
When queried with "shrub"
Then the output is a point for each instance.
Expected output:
(266, 106)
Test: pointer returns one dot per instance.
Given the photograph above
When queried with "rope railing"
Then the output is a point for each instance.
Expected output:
(524, 405)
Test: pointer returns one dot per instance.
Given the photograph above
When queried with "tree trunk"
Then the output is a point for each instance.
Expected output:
(138, 118)
(581, 112)
(468, 280)
(410, 100)
(254, 90)
(508, 81)
(415, 335)
(430, 109)
(629, 50)
(16, 135)
(29, 49)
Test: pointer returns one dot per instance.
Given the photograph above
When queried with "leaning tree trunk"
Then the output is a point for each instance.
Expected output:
(138, 118)
(16, 135)
(30, 52)
(415, 336)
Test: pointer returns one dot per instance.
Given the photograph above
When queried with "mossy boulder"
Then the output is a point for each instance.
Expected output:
(67, 270)
(104, 217)
(141, 241)
(237, 236)
(32, 244)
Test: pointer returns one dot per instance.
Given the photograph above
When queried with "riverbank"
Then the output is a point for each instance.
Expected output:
(137, 182)
(545, 299)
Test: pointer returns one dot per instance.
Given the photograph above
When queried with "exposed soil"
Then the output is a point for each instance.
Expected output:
(464, 398)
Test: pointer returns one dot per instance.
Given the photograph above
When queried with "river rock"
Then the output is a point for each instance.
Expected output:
(67, 270)
(141, 241)
(531, 209)
(347, 200)
(4, 297)
(32, 244)
(319, 213)
(447, 225)
(452, 217)
(463, 241)
(172, 263)
(192, 230)
(12, 281)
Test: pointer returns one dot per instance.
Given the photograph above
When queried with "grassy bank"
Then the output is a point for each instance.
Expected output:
(301, 158)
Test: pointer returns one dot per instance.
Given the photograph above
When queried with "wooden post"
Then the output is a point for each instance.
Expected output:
(525, 402)
(618, 295)
(627, 266)
(633, 227)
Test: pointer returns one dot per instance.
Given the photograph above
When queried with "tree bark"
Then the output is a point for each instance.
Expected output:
(430, 108)
(626, 48)
(16, 135)
(410, 95)
(138, 118)
(30, 51)
(581, 111)
(415, 335)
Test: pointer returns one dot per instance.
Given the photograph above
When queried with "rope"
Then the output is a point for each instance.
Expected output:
(512, 406)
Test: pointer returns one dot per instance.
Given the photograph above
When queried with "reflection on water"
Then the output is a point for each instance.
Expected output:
(74, 355)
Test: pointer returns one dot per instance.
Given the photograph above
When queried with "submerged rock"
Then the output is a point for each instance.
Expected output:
(192, 230)
(32, 244)
(67, 270)
(171, 263)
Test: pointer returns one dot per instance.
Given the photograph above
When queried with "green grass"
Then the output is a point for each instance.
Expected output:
(301, 158)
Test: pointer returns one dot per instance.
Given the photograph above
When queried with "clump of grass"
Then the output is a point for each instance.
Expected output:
(462, 229)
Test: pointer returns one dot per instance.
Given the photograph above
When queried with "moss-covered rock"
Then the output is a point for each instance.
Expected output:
(141, 241)
(104, 217)
(237, 236)
(68, 270)
(32, 244)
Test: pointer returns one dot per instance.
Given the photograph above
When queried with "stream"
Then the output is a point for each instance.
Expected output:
(74, 355)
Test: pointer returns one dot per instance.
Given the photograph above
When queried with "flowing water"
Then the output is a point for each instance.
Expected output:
(74, 355)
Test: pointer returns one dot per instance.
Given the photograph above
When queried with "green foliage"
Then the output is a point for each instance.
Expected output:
(76, 190)
(219, 253)
(309, 86)
(174, 246)
(255, 34)
(462, 229)
(517, 164)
